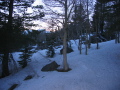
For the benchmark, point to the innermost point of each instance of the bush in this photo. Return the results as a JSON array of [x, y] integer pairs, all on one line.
[[50, 52]]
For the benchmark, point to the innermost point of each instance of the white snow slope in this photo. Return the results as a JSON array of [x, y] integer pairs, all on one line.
[[99, 70]]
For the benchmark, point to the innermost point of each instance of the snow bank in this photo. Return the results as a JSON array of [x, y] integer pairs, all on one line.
[[99, 70]]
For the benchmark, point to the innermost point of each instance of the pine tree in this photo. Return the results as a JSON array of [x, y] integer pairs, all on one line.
[[107, 17], [11, 27], [113, 19], [81, 24], [25, 57]]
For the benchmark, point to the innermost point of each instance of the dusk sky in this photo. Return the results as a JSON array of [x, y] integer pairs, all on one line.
[[42, 25]]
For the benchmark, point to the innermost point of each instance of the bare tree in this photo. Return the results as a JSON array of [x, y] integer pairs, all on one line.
[[81, 18], [64, 17], [88, 6]]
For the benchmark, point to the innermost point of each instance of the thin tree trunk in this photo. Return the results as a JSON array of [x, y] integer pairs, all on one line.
[[97, 38], [97, 24], [118, 37], [80, 45], [81, 42], [80, 33], [86, 43], [89, 38], [89, 41]]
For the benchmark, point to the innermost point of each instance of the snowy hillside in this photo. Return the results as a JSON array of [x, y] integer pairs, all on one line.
[[99, 70]]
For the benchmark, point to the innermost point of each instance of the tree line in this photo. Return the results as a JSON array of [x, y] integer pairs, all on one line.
[[75, 19]]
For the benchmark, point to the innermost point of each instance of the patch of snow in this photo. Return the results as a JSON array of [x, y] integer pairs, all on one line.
[[30, 30], [41, 30]]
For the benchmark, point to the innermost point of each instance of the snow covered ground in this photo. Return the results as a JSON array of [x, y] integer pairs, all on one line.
[[99, 70]]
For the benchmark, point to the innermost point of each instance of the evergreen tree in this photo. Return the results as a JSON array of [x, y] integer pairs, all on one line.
[[79, 21], [99, 16], [6, 33], [80, 26], [113, 19], [25, 57], [10, 29], [106, 18]]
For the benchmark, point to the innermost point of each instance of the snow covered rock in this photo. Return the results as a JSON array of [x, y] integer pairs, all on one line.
[[28, 77], [50, 67], [69, 50]]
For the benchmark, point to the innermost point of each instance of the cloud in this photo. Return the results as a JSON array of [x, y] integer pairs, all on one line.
[[38, 2]]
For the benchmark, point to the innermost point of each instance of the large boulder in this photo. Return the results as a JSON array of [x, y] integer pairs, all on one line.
[[50, 67], [69, 50]]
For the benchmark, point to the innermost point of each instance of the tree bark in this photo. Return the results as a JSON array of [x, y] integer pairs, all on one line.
[[97, 38], [5, 69], [65, 64], [86, 43], [8, 31]]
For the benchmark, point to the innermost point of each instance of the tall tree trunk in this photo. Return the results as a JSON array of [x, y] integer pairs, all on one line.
[[87, 42], [97, 19], [65, 64], [5, 69], [118, 36], [101, 21], [8, 31], [10, 14]]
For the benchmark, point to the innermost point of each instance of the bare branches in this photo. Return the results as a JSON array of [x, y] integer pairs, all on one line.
[[65, 7], [50, 11], [70, 11], [53, 3], [59, 6]]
